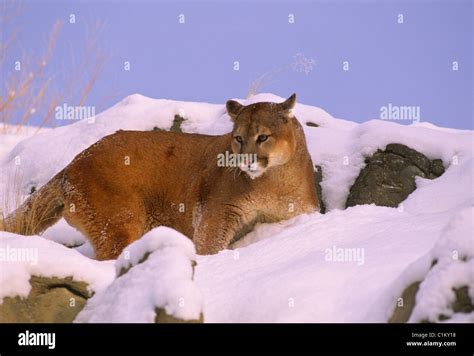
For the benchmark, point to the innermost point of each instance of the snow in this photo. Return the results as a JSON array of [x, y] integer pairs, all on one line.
[[163, 280], [159, 238], [341, 152], [64, 235], [24, 256], [13, 135], [292, 271], [454, 268]]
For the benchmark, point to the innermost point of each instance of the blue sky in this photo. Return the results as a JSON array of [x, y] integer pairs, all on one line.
[[407, 64]]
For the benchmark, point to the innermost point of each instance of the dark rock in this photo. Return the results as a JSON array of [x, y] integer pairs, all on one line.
[[177, 121], [389, 176], [311, 124], [318, 177], [462, 303], [51, 300], [124, 270], [437, 167], [403, 310], [175, 127], [162, 318]]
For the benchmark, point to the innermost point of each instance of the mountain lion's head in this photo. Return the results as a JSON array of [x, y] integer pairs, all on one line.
[[266, 130]]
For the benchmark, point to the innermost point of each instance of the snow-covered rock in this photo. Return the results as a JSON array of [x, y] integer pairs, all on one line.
[[442, 288], [24, 256], [42, 281], [154, 283], [389, 176]]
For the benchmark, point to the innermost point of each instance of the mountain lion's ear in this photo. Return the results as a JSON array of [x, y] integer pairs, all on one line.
[[233, 108], [289, 103]]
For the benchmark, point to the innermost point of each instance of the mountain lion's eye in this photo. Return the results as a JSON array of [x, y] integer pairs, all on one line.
[[262, 138], [238, 139]]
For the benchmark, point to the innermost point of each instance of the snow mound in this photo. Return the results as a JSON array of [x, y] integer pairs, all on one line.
[[447, 266], [155, 272], [453, 258], [336, 267], [22, 257]]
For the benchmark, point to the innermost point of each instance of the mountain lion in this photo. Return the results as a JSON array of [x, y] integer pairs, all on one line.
[[213, 189]]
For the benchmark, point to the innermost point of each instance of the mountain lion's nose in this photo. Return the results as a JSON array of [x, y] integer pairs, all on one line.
[[244, 166], [248, 166]]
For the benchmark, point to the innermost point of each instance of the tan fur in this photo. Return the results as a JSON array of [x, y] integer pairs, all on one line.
[[173, 179]]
